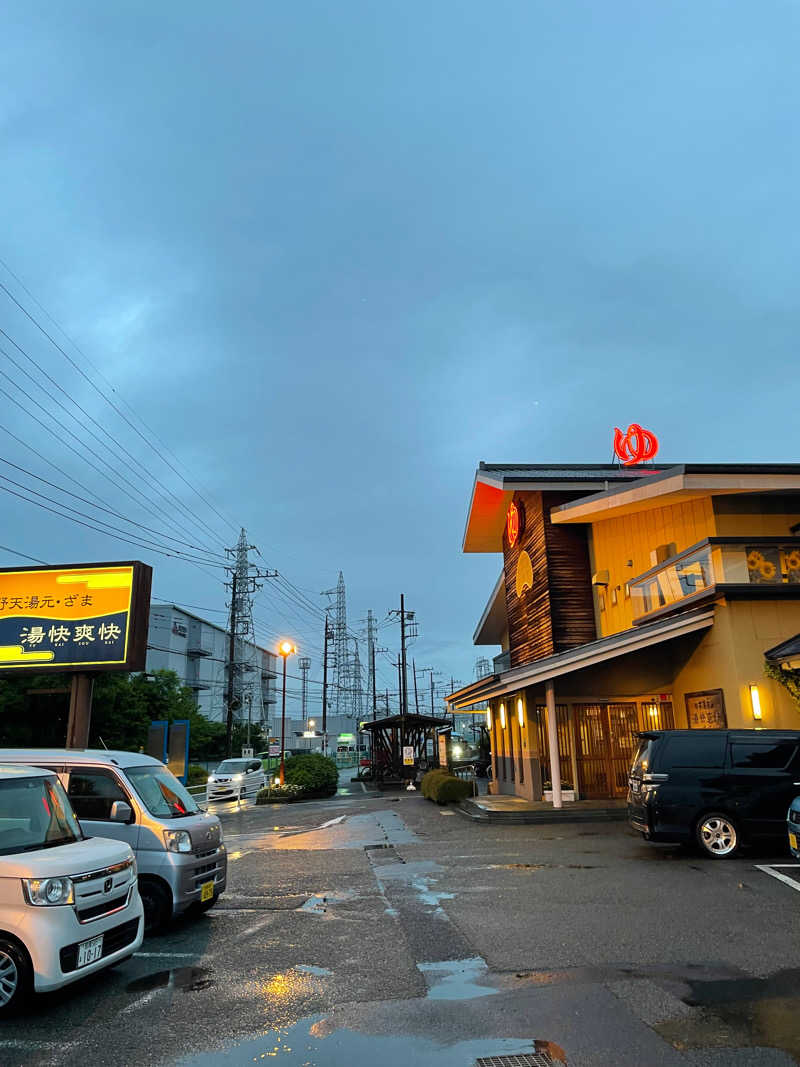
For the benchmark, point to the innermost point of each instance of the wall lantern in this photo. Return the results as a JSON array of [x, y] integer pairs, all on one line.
[[520, 712], [488, 718], [502, 716], [755, 700]]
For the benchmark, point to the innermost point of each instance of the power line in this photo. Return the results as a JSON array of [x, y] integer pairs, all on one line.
[[111, 403], [22, 555]]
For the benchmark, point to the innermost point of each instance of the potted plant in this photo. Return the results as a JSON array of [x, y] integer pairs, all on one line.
[[567, 791]]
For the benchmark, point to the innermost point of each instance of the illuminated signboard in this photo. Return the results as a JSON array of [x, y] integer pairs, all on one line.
[[635, 446], [76, 618], [512, 525]]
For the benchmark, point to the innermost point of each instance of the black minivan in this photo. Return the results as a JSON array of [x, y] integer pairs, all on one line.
[[720, 788]]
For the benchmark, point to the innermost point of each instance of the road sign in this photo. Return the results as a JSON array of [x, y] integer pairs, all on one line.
[[247, 753], [275, 749], [408, 755]]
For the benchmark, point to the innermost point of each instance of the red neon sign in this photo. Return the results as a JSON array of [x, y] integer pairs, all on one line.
[[512, 525], [635, 446]]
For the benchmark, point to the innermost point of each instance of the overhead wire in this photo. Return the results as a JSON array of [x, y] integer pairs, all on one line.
[[113, 405]]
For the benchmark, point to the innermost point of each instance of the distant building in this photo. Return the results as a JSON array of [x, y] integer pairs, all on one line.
[[307, 736], [197, 650]]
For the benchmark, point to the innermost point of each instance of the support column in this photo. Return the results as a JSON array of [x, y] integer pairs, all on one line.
[[574, 747], [552, 737], [80, 711]]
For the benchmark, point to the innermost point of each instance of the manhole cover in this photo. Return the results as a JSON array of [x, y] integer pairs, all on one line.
[[522, 1059]]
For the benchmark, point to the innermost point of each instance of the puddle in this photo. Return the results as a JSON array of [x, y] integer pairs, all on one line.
[[309, 1044], [187, 979], [318, 904], [761, 1012], [456, 979], [419, 876], [308, 968]]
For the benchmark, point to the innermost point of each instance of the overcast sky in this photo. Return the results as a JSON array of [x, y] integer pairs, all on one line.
[[336, 254]]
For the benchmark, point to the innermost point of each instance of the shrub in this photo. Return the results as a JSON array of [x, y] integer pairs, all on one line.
[[430, 780], [273, 794], [317, 774], [448, 789], [196, 775]]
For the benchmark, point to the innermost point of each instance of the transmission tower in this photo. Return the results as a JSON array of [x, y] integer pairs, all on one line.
[[244, 666], [304, 663], [482, 667], [343, 684]]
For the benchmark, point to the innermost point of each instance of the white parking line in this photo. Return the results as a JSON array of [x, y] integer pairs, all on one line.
[[166, 955], [772, 870]]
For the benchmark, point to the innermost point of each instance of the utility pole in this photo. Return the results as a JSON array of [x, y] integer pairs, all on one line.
[[231, 669], [326, 641], [400, 682], [406, 632], [433, 714], [416, 695]]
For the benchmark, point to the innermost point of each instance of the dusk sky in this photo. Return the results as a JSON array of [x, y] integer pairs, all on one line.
[[334, 255]]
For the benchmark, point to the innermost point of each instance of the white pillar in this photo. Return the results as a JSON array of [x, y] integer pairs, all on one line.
[[552, 737]]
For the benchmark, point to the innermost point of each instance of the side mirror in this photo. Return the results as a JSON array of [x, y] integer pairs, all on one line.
[[121, 812]]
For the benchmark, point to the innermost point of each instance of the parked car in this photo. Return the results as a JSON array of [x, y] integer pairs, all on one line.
[[793, 821], [135, 799], [69, 904], [721, 788], [236, 779]]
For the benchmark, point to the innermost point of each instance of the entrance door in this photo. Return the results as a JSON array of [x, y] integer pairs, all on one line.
[[605, 748]]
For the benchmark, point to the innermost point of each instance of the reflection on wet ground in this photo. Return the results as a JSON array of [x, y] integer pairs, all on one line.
[[456, 979], [187, 979], [308, 1044]]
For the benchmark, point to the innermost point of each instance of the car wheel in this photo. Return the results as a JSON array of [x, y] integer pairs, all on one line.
[[16, 976], [717, 835], [157, 904]]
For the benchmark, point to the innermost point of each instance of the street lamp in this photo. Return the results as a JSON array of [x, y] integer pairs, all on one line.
[[285, 649]]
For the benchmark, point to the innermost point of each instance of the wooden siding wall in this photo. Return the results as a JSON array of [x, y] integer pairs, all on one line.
[[558, 612], [633, 537]]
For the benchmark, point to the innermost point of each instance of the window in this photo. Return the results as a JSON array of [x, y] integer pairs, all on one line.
[[700, 750], [161, 792], [773, 755], [92, 793], [34, 814]]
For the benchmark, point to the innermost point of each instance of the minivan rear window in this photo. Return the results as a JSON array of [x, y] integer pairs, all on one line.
[[701, 748], [641, 761], [774, 755]]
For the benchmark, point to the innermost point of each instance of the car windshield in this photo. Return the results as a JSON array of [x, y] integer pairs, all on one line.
[[233, 766], [161, 792], [641, 761], [35, 813]]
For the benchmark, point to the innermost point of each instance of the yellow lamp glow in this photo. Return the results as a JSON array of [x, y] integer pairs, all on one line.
[[520, 712], [755, 700], [285, 648], [488, 718], [503, 716]]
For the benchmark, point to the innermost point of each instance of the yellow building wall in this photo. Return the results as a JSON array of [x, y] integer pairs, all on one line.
[[755, 515], [632, 538], [731, 658]]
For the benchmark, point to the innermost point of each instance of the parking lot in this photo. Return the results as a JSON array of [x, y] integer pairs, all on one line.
[[366, 928]]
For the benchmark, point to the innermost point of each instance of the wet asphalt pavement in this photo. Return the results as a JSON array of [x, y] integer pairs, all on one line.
[[383, 929]]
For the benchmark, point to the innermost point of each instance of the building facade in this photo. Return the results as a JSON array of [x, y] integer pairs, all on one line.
[[197, 651], [630, 598]]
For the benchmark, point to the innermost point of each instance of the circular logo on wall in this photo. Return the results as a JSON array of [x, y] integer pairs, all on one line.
[[524, 573]]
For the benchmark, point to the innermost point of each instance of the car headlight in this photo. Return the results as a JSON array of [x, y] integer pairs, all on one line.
[[48, 891], [238, 777], [177, 841], [211, 777]]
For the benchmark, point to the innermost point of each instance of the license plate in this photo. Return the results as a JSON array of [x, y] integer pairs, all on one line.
[[793, 840], [206, 891], [90, 951]]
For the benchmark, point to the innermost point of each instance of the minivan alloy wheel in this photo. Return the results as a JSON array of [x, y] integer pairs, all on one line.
[[717, 834], [9, 979]]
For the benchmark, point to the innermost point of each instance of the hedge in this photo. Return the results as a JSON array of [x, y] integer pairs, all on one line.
[[196, 775], [430, 779], [451, 789], [317, 774], [273, 794]]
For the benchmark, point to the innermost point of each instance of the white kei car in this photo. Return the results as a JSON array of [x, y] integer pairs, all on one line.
[[236, 779]]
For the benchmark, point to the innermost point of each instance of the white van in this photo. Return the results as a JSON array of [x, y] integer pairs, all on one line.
[[136, 799], [69, 904], [236, 779]]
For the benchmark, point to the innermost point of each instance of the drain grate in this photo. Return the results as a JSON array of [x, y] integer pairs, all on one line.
[[523, 1059]]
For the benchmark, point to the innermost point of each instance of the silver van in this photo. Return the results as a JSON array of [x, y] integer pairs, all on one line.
[[134, 798]]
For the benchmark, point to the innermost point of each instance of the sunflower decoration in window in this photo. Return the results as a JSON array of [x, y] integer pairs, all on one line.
[[764, 565], [792, 561]]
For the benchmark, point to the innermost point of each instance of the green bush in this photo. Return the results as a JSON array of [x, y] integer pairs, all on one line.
[[430, 780], [273, 794], [317, 774], [196, 775], [449, 789]]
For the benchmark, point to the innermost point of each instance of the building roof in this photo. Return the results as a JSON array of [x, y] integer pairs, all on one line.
[[587, 655], [411, 719], [493, 623], [609, 490]]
